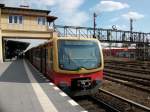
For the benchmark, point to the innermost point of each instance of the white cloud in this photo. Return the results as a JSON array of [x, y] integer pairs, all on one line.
[[69, 5], [11, 2], [46, 2], [133, 15], [76, 19], [122, 27], [119, 27], [68, 11], [108, 6], [114, 19]]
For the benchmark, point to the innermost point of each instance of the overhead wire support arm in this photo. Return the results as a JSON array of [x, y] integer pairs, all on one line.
[[88, 32]]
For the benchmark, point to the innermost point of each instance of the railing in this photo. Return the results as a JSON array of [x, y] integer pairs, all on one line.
[[104, 35]]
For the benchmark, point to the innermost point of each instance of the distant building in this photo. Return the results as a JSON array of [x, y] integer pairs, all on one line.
[[23, 22]]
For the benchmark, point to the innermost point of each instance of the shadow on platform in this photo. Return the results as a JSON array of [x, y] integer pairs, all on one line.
[[16, 73]]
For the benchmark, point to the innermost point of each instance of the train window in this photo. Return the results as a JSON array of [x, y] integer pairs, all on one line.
[[51, 54], [74, 55], [51, 58], [37, 53], [46, 54]]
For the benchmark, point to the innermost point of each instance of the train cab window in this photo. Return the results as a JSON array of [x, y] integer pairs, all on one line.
[[74, 55]]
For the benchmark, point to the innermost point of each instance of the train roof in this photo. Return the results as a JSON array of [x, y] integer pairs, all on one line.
[[62, 38]]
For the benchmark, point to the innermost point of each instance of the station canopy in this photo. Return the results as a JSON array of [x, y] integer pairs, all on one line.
[[14, 47]]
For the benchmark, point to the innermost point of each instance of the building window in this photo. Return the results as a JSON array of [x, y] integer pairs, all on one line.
[[41, 20], [15, 19], [10, 19], [20, 19]]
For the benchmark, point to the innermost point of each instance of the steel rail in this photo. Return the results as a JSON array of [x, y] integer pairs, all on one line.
[[125, 74], [109, 107], [132, 103], [137, 70], [127, 63], [130, 79], [129, 84]]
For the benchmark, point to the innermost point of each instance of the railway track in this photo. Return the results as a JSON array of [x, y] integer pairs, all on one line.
[[128, 83], [128, 68], [131, 106], [130, 79], [94, 104], [143, 67], [129, 61], [128, 76], [129, 64], [105, 101], [133, 80]]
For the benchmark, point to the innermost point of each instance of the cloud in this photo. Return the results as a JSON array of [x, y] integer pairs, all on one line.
[[69, 13], [46, 2], [76, 19], [109, 6], [69, 5], [122, 27], [114, 19], [133, 15], [67, 10], [119, 27], [11, 2]]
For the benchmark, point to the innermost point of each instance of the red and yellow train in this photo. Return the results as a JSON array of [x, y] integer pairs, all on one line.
[[74, 64]]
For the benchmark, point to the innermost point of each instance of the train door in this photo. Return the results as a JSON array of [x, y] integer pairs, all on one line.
[[41, 59], [34, 57], [44, 60], [38, 59], [51, 58], [50, 62], [47, 61], [31, 56]]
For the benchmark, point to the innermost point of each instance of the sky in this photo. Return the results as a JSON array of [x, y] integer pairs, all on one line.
[[80, 12]]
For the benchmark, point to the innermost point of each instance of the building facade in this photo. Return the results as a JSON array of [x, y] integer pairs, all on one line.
[[24, 23]]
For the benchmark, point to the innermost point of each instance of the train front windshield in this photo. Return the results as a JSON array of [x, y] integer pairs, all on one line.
[[77, 54]]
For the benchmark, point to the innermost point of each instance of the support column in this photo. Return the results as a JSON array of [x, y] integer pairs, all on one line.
[[1, 48]]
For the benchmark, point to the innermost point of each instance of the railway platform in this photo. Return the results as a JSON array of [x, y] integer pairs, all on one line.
[[24, 89]]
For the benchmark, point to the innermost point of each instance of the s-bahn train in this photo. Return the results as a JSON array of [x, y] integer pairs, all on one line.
[[73, 64]]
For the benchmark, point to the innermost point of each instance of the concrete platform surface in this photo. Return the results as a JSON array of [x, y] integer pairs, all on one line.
[[24, 89]]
